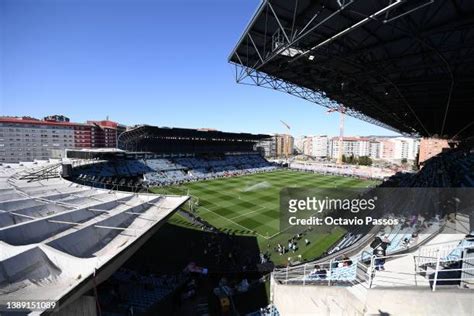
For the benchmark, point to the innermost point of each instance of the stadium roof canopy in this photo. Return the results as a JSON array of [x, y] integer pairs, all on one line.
[[403, 64], [183, 140], [188, 133], [59, 239]]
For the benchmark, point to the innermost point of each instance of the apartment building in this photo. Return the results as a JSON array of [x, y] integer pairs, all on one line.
[[284, 145], [430, 147], [351, 146], [278, 146], [316, 146], [376, 147], [399, 148], [27, 139]]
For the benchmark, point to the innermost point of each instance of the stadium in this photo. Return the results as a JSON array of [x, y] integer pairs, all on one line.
[[180, 221]]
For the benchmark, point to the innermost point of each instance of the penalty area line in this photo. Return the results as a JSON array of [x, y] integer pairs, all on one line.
[[227, 219], [259, 209]]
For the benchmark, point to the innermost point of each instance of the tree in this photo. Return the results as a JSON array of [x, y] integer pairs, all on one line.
[[365, 161]]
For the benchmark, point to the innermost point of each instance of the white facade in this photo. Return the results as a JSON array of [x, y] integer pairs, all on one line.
[[351, 147], [364, 148], [402, 148], [316, 146], [374, 149], [384, 148], [320, 146], [308, 146]]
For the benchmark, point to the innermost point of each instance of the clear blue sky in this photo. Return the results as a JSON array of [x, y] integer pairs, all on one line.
[[143, 61]]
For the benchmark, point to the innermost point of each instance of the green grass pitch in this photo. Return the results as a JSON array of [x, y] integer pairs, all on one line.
[[249, 205]]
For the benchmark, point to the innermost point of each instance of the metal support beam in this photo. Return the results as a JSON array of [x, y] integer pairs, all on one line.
[[278, 21], [63, 222], [314, 96], [98, 210], [388, 20], [21, 215], [350, 28], [119, 228], [255, 46]]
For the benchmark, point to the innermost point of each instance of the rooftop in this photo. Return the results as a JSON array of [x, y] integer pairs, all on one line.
[[57, 237]]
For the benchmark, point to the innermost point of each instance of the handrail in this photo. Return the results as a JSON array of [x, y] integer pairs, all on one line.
[[447, 242], [367, 274], [444, 250]]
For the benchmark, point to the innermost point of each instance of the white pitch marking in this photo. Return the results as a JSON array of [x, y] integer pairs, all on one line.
[[259, 209], [228, 219]]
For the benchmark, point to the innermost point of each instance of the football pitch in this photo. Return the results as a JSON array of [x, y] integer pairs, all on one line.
[[249, 205]]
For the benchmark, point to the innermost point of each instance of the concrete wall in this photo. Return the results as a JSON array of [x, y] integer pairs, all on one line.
[[421, 301], [315, 300], [293, 300]]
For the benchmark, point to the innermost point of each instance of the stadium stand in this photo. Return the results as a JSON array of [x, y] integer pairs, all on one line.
[[270, 310], [454, 168], [448, 169], [167, 171], [348, 240], [400, 238], [203, 168], [338, 271], [138, 292]]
